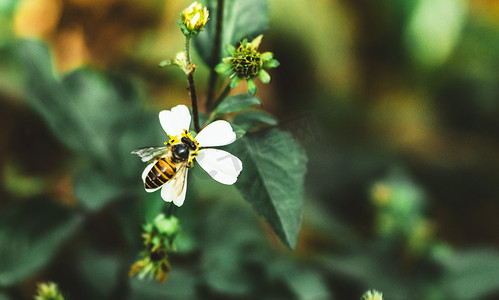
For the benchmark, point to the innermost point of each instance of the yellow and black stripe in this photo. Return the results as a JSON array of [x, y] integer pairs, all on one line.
[[160, 173]]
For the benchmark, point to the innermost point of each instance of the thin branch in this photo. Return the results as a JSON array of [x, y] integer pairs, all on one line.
[[222, 95], [216, 103], [192, 91], [188, 48], [216, 55], [192, 88], [170, 210]]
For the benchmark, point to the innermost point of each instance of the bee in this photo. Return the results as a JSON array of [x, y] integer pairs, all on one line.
[[168, 163]]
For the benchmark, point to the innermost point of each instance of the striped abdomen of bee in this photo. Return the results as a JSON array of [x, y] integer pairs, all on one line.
[[160, 173]]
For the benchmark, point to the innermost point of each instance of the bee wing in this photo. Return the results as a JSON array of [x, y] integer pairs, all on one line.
[[175, 189], [148, 154]]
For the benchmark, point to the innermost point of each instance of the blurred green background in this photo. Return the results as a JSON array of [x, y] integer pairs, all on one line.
[[395, 102]]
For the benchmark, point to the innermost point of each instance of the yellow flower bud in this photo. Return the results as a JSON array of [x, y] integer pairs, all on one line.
[[194, 18]]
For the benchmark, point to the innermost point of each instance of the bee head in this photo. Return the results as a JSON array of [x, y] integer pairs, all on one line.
[[180, 151], [189, 143]]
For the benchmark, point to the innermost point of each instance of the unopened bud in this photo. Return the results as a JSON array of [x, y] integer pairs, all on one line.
[[193, 19]]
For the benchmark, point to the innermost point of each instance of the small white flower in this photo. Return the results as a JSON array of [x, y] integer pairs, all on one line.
[[171, 164], [372, 295]]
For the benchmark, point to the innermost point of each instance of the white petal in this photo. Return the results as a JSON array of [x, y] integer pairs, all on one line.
[[195, 19], [174, 121], [144, 175], [221, 165], [175, 189], [218, 133]]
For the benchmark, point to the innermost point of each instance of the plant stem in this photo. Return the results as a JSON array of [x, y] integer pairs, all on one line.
[[216, 55], [192, 88], [222, 95], [211, 89], [170, 210], [187, 48]]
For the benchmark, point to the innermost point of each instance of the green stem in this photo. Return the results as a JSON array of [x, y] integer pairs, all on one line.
[[187, 48], [170, 210], [211, 117], [216, 103], [192, 88], [216, 54], [212, 81], [222, 96]]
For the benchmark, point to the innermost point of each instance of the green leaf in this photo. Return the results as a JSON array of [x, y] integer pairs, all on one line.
[[473, 274], [30, 236], [236, 103], [251, 119], [96, 116], [223, 67], [164, 63], [371, 269], [99, 271], [181, 284], [228, 250], [4, 296], [238, 131], [305, 283], [86, 110], [95, 189], [241, 18], [7, 15], [272, 180]]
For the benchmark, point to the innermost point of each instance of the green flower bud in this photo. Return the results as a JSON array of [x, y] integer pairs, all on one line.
[[48, 291], [158, 237], [193, 19], [246, 63], [169, 226]]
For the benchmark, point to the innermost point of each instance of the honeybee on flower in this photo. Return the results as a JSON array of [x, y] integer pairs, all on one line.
[[168, 166]]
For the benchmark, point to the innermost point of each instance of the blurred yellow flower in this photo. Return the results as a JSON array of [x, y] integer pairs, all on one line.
[[194, 18]]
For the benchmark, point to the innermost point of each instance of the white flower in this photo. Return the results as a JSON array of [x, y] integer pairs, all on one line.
[[220, 165], [372, 295]]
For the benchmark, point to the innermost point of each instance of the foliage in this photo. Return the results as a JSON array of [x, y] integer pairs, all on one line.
[[366, 170], [241, 18], [34, 234], [277, 198]]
